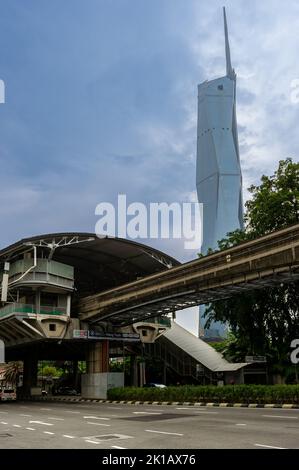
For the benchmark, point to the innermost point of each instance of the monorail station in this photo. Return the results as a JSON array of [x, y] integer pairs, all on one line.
[[77, 297]]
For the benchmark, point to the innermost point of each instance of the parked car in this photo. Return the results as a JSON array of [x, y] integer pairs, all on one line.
[[8, 394], [151, 384], [65, 391]]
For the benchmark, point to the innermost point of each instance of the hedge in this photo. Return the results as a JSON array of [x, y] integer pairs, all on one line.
[[260, 394]]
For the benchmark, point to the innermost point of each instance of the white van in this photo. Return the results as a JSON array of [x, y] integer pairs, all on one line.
[[7, 394]]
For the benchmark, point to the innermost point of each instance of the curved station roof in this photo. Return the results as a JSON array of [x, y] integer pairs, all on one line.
[[100, 263]]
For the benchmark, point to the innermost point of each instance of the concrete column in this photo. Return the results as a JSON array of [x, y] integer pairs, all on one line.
[[98, 357], [37, 301], [68, 305], [29, 375], [98, 379], [133, 371]]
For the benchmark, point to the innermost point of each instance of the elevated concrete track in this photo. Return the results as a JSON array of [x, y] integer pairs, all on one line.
[[267, 261]]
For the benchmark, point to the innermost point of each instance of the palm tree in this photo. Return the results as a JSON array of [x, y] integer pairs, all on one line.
[[12, 372]]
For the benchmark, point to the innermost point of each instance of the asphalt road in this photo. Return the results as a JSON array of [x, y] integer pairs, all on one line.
[[25, 425]]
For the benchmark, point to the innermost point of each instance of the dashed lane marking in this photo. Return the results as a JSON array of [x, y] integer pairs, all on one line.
[[92, 442], [49, 432], [73, 412], [164, 432], [16, 426], [145, 413], [278, 416], [26, 416], [41, 422], [241, 424], [69, 437], [269, 447], [55, 419], [30, 429], [96, 417], [117, 447], [98, 424]]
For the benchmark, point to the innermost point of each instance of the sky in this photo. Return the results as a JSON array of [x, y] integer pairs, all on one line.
[[101, 99]]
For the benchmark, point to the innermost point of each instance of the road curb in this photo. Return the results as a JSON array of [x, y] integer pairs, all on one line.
[[163, 403]]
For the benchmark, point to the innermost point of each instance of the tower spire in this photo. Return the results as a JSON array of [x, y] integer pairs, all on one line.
[[229, 70]]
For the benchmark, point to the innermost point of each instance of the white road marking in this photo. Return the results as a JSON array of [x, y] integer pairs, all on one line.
[[207, 412], [45, 409], [269, 447], [30, 429], [48, 432], [16, 426], [96, 417], [164, 432], [145, 413], [283, 417], [3, 422], [98, 424], [241, 424], [118, 447], [41, 422], [74, 412], [185, 408], [4, 412], [27, 416], [114, 408], [69, 437], [92, 442], [56, 419]]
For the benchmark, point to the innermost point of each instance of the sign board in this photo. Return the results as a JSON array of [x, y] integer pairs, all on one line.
[[91, 334]]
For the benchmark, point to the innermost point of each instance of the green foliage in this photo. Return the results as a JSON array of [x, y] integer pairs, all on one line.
[[50, 371], [264, 322], [275, 203], [12, 372], [246, 394]]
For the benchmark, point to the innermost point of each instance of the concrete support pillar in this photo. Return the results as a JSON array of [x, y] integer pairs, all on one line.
[[98, 357], [68, 305], [98, 380], [29, 375], [37, 301], [133, 371]]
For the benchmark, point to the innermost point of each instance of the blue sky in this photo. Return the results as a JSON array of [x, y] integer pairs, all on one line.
[[101, 100]]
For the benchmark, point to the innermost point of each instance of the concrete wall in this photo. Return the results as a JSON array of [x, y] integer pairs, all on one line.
[[96, 385]]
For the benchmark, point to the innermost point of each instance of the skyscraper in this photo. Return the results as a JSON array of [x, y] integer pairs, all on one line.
[[218, 170]]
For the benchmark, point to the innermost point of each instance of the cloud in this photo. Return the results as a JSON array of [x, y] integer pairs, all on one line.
[[101, 100]]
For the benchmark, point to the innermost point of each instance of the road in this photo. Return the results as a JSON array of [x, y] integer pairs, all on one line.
[[26, 425]]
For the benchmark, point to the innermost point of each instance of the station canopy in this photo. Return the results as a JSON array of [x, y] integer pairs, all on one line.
[[99, 263]]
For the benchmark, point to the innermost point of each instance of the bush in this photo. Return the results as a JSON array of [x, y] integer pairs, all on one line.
[[261, 394]]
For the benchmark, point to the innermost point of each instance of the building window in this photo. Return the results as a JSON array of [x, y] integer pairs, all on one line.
[[52, 326], [220, 87], [144, 332]]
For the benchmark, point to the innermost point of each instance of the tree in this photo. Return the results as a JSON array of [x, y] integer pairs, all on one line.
[[264, 322], [12, 372]]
